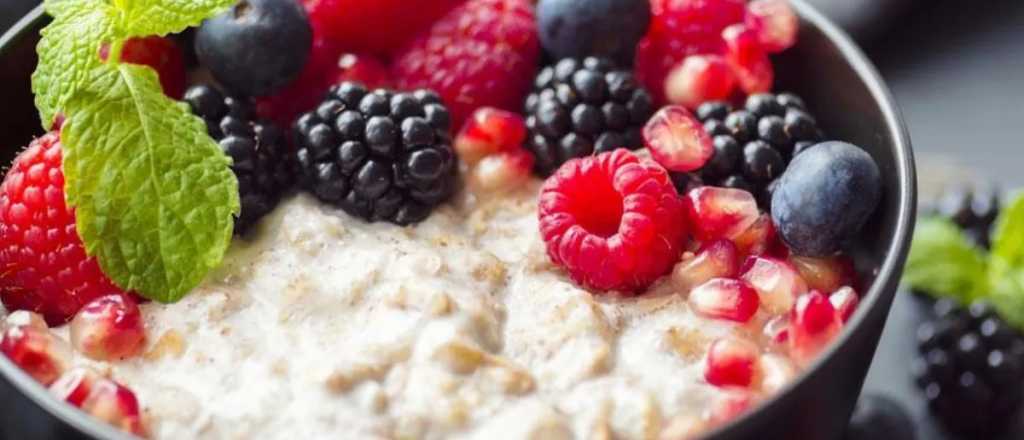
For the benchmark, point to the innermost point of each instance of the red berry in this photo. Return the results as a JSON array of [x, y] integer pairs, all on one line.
[[160, 53], [717, 259], [777, 329], [482, 53], [489, 131], [845, 301], [729, 406], [677, 140], [731, 362], [612, 221], [776, 372], [680, 28], [101, 398], [813, 325], [108, 328], [750, 62], [760, 238], [25, 318], [777, 282], [46, 269], [379, 27], [723, 298], [775, 23], [698, 79], [37, 352], [505, 170], [825, 274], [720, 212]]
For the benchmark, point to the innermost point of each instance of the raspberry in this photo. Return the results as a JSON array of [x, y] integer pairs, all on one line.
[[379, 27], [160, 53], [46, 269], [483, 53], [612, 221]]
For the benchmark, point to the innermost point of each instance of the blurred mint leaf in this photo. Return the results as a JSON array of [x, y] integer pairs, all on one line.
[[1007, 268], [944, 263], [139, 18], [154, 195]]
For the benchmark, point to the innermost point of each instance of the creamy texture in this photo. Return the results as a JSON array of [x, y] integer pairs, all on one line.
[[323, 326]]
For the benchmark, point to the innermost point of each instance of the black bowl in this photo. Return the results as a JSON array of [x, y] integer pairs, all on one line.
[[826, 68]]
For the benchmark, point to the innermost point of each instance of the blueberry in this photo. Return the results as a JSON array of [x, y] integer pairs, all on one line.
[[877, 417], [825, 196], [579, 28], [257, 46]]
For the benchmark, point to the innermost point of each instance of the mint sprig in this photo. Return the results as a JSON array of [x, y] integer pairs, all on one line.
[[154, 195], [944, 263]]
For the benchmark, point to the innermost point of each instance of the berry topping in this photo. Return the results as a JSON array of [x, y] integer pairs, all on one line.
[[488, 132], [482, 53], [731, 362], [677, 140], [257, 46], [720, 212], [974, 210], [160, 53], [825, 197], [262, 160], [108, 328], [102, 398], [717, 259], [970, 368], [612, 221], [814, 324], [378, 27], [750, 63], [25, 318], [776, 372], [606, 28], [760, 239], [581, 107], [730, 405], [380, 155], [777, 283], [699, 79], [753, 145], [46, 269], [723, 298], [774, 22], [503, 171], [36, 351], [825, 274], [845, 301]]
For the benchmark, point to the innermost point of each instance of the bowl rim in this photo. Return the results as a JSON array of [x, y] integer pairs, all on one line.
[[890, 268]]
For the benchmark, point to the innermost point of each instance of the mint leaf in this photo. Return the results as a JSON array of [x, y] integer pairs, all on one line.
[[1007, 296], [68, 51], [161, 17], [1007, 270], [943, 262], [154, 195]]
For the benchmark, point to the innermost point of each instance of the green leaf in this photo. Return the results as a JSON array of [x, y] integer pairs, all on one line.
[[161, 17], [1007, 270], [154, 194], [1007, 296], [68, 52], [943, 262]]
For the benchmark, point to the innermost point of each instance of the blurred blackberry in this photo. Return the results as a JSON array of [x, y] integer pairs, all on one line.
[[581, 107], [974, 210], [753, 145], [970, 368], [262, 159], [380, 155]]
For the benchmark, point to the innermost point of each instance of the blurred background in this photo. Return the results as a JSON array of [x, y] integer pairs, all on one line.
[[957, 69]]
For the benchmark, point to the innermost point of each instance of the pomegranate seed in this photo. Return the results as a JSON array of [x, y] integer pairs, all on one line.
[[775, 23], [717, 259], [825, 274], [676, 139], [777, 283], [759, 239], [698, 79], [487, 132], [845, 301], [115, 405], [776, 373], [720, 212], [750, 63], [364, 69], [75, 385], [777, 329], [730, 405], [505, 170], [723, 298], [37, 352], [814, 324], [109, 327], [25, 318], [731, 362]]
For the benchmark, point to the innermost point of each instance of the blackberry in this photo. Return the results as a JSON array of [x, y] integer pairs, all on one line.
[[262, 159], [579, 107], [974, 210], [970, 368], [754, 145], [378, 155]]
